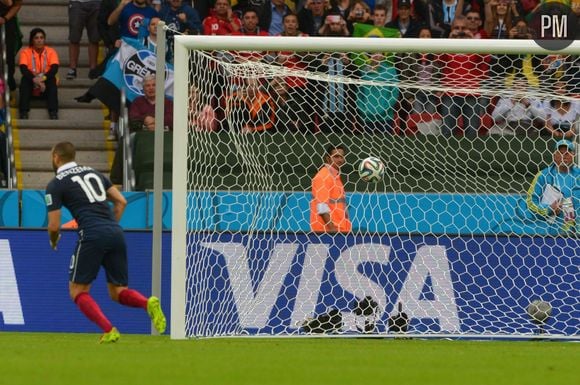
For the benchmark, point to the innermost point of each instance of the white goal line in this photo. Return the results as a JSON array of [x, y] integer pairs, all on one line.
[[418, 336]]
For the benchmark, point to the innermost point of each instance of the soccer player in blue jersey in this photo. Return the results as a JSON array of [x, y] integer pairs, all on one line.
[[85, 192]]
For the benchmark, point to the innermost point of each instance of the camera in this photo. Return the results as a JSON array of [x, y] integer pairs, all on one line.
[[521, 33], [461, 34], [333, 18]]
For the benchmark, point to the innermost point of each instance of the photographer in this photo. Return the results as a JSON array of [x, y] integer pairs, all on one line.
[[334, 25], [520, 30], [459, 29], [359, 12], [518, 114]]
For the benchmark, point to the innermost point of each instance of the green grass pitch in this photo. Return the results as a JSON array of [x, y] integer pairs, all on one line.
[[43, 358]]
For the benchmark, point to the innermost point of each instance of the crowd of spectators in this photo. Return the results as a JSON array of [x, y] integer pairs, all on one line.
[[289, 103], [296, 103], [389, 93], [311, 105]]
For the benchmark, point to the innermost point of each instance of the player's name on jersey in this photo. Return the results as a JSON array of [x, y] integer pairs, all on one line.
[[74, 170]]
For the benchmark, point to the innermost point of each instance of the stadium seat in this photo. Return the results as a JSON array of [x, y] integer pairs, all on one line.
[[143, 160]]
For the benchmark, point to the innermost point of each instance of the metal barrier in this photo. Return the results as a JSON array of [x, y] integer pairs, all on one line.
[[125, 141], [11, 178]]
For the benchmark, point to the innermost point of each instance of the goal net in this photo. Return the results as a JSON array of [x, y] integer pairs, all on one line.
[[457, 238]]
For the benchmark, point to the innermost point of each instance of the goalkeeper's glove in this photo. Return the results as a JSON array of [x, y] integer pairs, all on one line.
[[53, 244]]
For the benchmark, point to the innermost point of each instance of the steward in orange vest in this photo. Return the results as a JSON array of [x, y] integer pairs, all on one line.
[[39, 66], [328, 212]]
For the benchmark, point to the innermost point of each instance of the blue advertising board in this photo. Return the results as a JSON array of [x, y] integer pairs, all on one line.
[[34, 284], [423, 213], [34, 213], [270, 282], [9, 208]]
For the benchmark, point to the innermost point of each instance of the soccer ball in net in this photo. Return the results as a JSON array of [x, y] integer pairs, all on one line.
[[371, 169], [539, 310]]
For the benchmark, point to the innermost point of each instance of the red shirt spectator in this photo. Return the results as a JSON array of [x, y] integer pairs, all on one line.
[[462, 73], [464, 70], [222, 21], [475, 25], [250, 24], [250, 27]]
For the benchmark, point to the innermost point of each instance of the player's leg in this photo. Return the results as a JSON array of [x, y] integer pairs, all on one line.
[[156, 314], [83, 270], [132, 298], [116, 266], [126, 296], [91, 309]]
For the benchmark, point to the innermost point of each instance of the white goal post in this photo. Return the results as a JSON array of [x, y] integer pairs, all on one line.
[[431, 240]]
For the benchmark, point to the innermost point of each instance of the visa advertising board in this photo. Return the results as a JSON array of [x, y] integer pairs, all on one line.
[[270, 282]]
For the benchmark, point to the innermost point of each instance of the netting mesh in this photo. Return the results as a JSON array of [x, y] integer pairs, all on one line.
[[446, 242]]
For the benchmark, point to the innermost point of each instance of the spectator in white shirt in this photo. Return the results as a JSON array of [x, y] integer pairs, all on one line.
[[518, 114], [562, 113]]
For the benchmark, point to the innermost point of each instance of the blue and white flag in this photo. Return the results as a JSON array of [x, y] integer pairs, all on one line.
[[126, 70]]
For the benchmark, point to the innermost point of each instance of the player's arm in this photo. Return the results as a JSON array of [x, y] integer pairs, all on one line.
[[119, 202], [54, 227]]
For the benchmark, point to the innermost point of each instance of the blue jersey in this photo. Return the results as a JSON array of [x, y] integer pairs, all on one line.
[[567, 184], [132, 18], [170, 17], [83, 191]]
